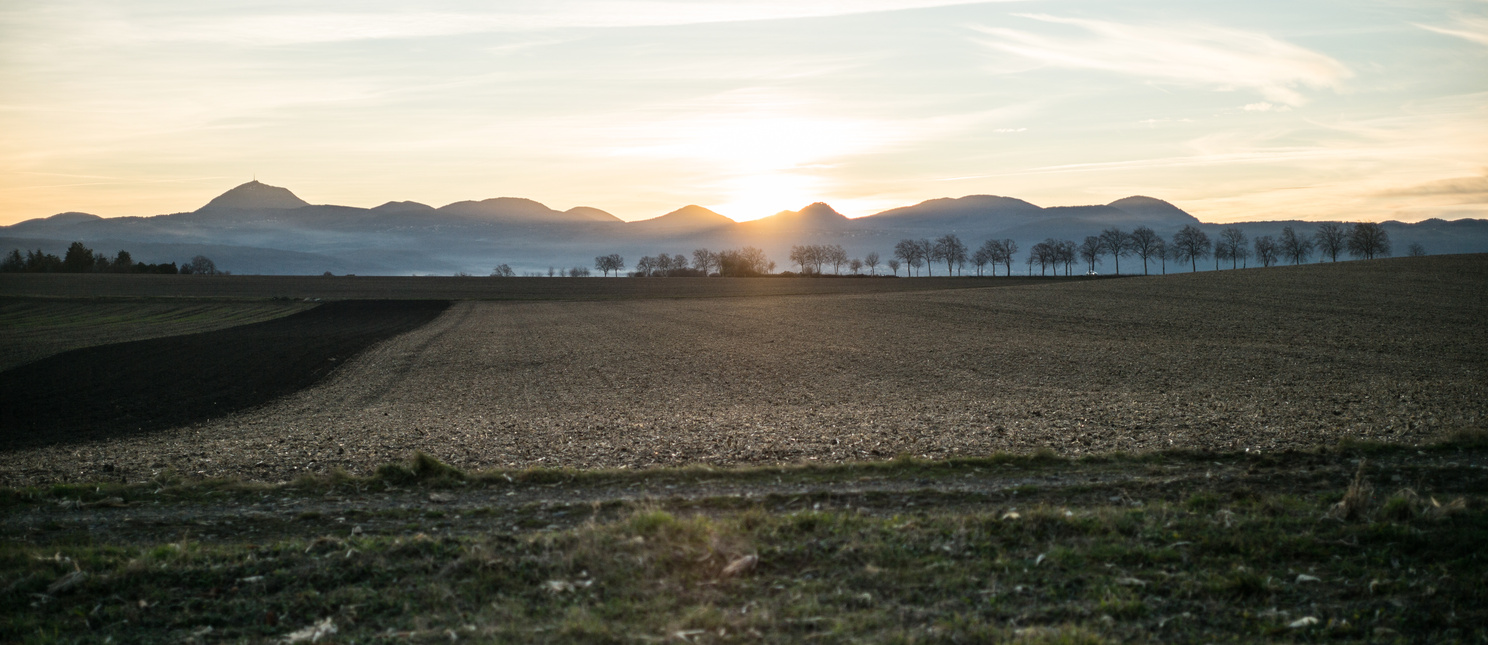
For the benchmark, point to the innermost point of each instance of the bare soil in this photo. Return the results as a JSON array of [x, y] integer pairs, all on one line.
[[1262, 360], [123, 389], [105, 286], [34, 328]]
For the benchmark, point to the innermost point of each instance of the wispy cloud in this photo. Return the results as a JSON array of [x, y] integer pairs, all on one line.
[[1470, 190], [1465, 27], [1217, 57], [392, 20]]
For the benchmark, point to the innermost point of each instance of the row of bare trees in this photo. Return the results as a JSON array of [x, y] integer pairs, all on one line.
[[1366, 240], [744, 262]]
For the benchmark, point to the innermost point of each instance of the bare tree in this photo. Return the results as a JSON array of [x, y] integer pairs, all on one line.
[[1164, 252], [893, 265], [608, 263], [748, 261], [704, 260], [926, 255], [1369, 240], [856, 265], [804, 256], [871, 261], [645, 266], [1092, 250], [1190, 244], [980, 259], [503, 271], [1145, 242], [1043, 253], [1222, 251], [1266, 249], [836, 255], [1067, 253], [1234, 241], [1294, 247], [1009, 249], [1415, 250], [1332, 238], [908, 251], [949, 249], [1116, 242]]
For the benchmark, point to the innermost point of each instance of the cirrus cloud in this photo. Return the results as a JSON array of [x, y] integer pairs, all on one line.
[[1218, 57]]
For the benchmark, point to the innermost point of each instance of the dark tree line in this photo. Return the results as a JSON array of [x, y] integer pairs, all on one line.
[[81, 259], [733, 263], [1365, 240]]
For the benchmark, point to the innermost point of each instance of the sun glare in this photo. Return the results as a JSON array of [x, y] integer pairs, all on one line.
[[766, 153], [754, 196]]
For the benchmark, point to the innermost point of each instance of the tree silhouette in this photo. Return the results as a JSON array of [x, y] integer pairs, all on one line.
[[1007, 249], [836, 256], [1369, 240], [1233, 241], [1294, 247], [1266, 249], [908, 251], [871, 261], [980, 259], [14, 262], [1116, 242], [1145, 243], [1092, 250], [202, 265], [949, 249], [1332, 238], [1190, 244], [79, 259], [704, 260]]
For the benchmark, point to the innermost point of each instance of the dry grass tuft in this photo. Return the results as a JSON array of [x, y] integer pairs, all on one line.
[[1356, 500]]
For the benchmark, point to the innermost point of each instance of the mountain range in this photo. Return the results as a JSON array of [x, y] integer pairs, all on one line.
[[261, 229]]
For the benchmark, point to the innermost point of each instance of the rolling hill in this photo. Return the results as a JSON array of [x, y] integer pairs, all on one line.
[[258, 228]]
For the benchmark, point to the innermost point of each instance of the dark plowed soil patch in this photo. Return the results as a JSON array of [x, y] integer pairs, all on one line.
[[127, 388]]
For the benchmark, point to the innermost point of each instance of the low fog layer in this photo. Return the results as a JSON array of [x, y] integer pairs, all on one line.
[[261, 229]]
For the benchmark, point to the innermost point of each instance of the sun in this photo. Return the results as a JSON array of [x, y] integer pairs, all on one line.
[[761, 195]]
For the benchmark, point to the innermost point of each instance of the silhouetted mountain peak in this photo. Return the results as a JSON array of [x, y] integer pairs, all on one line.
[[519, 209], [957, 212], [1153, 208], [817, 214], [255, 195], [403, 207], [72, 217], [690, 216], [820, 211], [590, 214]]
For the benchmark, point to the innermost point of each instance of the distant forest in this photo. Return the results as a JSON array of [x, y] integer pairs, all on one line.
[[81, 259]]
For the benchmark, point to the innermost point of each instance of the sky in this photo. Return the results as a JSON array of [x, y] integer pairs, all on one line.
[[1307, 109]]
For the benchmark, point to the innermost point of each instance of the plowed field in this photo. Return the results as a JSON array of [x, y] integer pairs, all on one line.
[[122, 389], [1237, 360]]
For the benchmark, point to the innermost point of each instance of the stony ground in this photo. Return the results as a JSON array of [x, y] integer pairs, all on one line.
[[1239, 360]]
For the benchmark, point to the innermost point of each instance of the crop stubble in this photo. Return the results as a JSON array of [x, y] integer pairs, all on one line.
[[1274, 359]]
